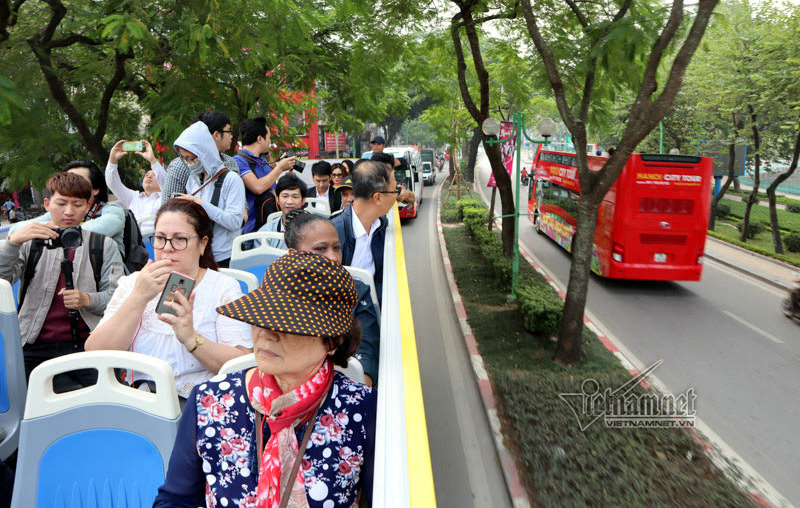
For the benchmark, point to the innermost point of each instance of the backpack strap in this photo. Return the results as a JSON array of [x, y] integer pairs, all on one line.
[[34, 255], [248, 158], [218, 187], [96, 246]]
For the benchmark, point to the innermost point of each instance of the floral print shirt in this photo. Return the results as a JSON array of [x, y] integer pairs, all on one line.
[[215, 460]]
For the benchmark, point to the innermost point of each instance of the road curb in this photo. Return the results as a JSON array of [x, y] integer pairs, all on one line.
[[510, 473], [748, 273]]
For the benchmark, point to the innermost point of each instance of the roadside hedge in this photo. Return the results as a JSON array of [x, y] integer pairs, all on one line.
[[475, 219], [541, 308], [538, 302]]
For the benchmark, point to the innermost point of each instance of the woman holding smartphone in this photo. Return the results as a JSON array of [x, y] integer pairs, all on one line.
[[195, 340]]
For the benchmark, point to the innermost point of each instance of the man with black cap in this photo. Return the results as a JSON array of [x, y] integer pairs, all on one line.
[[377, 144], [344, 195]]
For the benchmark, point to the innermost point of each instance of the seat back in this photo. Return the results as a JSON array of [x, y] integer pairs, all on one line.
[[237, 364], [354, 370], [12, 373], [101, 446], [247, 281], [257, 259], [146, 235], [320, 206], [149, 218], [364, 276]]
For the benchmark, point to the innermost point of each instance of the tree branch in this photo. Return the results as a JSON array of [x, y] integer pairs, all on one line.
[[550, 67], [108, 92], [461, 69], [8, 17], [72, 39], [578, 14]]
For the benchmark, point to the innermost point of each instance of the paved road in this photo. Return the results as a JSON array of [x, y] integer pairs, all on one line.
[[725, 336], [466, 469]]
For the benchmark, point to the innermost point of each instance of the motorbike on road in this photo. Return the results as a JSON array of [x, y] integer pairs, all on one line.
[[791, 305]]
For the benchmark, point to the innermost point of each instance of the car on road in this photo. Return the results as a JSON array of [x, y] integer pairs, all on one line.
[[428, 175]]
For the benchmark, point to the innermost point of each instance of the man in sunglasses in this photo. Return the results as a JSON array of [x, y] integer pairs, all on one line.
[[362, 226]]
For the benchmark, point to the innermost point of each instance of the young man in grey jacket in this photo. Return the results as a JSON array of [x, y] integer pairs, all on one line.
[[53, 319]]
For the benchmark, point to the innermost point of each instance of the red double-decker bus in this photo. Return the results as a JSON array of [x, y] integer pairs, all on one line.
[[651, 224]]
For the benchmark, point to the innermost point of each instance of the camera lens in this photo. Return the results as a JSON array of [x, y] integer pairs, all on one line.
[[71, 238], [299, 165]]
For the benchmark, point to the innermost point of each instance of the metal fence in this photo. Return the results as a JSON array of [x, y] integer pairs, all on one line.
[[790, 186]]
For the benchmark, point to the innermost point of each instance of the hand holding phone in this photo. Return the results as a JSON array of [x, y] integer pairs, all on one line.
[[177, 282], [132, 146]]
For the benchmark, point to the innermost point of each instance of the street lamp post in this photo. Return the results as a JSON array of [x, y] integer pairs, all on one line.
[[491, 127]]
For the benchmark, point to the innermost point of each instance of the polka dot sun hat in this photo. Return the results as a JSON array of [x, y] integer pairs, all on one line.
[[302, 293]]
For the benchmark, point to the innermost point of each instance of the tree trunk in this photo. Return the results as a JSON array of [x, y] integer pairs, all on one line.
[[737, 187], [568, 350], [507, 205], [712, 220], [472, 155], [777, 241], [751, 200]]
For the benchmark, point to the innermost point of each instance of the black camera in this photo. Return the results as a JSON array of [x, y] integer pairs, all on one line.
[[70, 238], [299, 166]]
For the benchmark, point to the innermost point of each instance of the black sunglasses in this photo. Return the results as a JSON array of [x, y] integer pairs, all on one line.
[[397, 191]]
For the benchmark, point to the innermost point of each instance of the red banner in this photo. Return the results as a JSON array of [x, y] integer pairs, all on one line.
[[335, 141], [506, 150]]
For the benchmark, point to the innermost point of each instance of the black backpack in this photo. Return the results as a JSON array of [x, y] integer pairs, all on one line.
[[135, 255], [265, 203], [95, 257]]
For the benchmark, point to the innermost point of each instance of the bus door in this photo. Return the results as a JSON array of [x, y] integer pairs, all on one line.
[[661, 217]]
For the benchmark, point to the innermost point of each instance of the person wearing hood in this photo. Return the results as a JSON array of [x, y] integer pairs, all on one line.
[[223, 202]]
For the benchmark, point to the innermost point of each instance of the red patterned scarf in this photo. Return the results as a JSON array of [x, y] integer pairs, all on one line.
[[284, 412]]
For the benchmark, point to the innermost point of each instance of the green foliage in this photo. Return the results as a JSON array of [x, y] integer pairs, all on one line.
[[468, 203], [760, 213], [541, 308], [792, 242], [793, 208], [760, 250], [723, 211], [488, 242], [753, 229]]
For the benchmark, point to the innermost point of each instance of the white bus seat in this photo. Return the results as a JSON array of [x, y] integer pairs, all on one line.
[[257, 259], [364, 276], [319, 206], [354, 370], [247, 281], [12, 373], [273, 215], [99, 443], [237, 364]]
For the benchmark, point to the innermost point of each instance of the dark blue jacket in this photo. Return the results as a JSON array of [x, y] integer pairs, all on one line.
[[370, 349], [344, 226]]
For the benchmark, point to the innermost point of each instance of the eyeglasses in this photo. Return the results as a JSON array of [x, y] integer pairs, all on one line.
[[396, 191], [336, 175], [178, 242], [227, 132]]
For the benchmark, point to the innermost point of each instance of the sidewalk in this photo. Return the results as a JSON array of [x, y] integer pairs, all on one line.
[[771, 271]]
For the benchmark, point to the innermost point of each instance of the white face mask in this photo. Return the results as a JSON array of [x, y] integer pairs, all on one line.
[[195, 168]]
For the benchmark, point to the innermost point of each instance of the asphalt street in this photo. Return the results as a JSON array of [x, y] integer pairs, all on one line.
[[466, 469], [725, 336]]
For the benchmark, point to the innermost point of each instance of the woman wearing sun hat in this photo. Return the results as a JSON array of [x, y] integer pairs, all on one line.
[[244, 439]]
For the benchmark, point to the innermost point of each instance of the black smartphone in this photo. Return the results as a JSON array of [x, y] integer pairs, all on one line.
[[176, 283]]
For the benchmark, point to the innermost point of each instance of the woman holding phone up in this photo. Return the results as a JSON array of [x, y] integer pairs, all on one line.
[[195, 340]]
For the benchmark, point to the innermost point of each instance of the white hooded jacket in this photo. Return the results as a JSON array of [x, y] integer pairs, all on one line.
[[229, 215]]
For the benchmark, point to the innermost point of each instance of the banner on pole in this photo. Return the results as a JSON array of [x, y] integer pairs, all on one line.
[[506, 150]]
